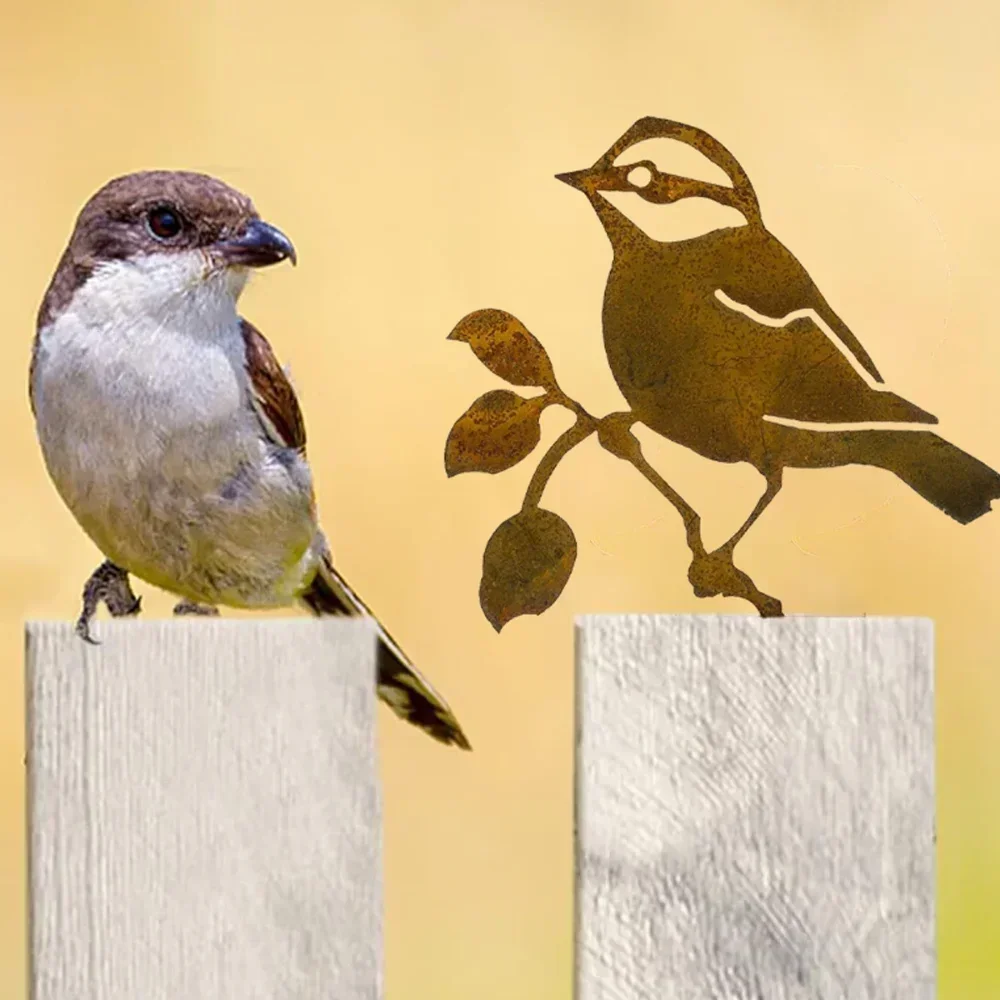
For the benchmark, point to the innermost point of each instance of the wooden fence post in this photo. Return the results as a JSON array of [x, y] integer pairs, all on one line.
[[204, 811], [755, 808]]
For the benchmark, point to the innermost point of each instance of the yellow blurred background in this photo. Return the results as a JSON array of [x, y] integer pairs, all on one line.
[[409, 150]]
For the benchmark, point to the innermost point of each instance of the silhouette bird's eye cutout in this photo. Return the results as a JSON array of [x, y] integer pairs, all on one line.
[[676, 157], [640, 176], [164, 222]]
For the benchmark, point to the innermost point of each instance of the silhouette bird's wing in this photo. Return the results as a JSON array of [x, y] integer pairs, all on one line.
[[801, 374], [762, 274]]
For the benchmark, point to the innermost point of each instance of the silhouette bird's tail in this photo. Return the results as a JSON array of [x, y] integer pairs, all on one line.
[[949, 478], [399, 685]]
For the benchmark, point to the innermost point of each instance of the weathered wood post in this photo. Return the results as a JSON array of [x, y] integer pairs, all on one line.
[[755, 808], [204, 811]]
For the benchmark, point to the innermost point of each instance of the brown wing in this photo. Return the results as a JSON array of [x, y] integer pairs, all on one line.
[[272, 394]]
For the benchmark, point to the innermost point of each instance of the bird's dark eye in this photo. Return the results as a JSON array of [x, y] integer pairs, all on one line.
[[164, 222]]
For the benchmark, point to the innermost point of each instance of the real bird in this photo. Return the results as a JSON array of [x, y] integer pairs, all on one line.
[[702, 341], [171, 431]]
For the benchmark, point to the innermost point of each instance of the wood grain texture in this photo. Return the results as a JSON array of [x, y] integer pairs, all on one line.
[[204, 811], [755, 808]]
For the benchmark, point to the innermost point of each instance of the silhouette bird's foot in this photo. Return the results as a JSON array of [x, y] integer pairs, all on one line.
[[108, 583], [191, 608], [713, 574]]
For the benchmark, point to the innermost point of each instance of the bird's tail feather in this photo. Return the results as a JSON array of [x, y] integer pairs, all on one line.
[[400, 686], [952, 480]]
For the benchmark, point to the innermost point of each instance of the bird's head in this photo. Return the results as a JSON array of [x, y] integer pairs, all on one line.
[[158, 236], [641, 176]]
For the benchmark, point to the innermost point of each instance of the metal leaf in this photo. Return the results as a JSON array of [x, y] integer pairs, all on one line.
[[527, 563], [503, 343], [499, 430]]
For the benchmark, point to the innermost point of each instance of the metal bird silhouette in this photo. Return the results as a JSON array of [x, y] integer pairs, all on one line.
[[708, 343]]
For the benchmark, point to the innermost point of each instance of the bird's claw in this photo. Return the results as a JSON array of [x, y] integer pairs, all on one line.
[[108, 583], [714, 574], [192, 608], [83, 630]]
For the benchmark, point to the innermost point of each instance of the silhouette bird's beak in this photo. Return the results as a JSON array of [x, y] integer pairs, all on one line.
[[575, 179], [599, 177]]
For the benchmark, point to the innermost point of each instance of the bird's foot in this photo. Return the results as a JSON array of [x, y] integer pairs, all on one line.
[[186, 607], [108, 583], [713, 574]]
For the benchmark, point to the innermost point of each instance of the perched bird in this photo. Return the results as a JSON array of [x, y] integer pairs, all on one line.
[[716, 341], [169, 428]]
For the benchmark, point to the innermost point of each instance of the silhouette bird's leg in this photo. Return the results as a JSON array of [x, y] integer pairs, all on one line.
[[108, 583], [711, 573], [773, 487], [615, 434]]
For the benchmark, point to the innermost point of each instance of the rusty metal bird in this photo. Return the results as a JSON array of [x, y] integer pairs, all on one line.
[[719, 342]]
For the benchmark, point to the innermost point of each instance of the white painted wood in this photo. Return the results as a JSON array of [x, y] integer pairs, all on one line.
[[204, 811], [755, 808]]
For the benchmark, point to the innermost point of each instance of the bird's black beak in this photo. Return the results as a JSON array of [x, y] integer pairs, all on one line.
[[259, 245]]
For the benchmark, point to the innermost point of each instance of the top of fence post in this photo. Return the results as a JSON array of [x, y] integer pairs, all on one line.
[[204, 811], [755, 808]]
